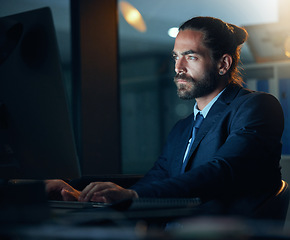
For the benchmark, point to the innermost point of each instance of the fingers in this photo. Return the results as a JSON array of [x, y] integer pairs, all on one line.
[[69, 195], [106, 192], [60, 190], [96, 190], [53, 189], [99, 199]]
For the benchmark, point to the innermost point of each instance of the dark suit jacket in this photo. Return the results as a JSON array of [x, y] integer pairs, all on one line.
[[234, 158]]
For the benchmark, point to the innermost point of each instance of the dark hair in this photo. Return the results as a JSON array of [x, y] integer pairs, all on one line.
[[220, 38]]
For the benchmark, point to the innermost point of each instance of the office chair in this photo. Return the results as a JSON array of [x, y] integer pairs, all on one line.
[[276, 207]]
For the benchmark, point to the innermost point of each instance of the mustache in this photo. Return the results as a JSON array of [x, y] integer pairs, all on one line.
[[183, 77]]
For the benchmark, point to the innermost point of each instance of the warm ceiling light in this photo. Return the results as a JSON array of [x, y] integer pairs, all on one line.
[[287, 47], [132, 16]]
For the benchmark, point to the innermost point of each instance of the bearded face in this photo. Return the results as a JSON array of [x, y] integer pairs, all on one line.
[[196, 72], [191, 88]]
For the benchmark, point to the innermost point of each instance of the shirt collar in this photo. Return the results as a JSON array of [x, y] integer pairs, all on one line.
[[206, 109]]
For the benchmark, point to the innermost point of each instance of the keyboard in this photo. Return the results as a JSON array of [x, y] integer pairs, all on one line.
[[76, 205], [132, 204], [156, 203]]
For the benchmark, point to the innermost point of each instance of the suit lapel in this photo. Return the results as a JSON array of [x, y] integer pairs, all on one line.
[[215, 113], [182, 145]]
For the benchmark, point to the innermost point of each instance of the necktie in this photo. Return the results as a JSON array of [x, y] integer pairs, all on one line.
[[196, 125]]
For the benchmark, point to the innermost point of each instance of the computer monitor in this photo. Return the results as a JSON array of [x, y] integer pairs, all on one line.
[[36, 137]]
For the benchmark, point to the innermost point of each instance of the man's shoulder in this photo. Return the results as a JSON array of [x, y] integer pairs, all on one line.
[[250, 94], [239, 93]]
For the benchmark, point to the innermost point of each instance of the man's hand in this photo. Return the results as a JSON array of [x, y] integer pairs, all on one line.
[[60, 190], [107, 192]]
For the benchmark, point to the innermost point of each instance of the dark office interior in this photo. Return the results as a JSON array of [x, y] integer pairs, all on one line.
[[122, 103]]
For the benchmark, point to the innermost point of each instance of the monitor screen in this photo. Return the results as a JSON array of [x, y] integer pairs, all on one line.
[[36, 137]]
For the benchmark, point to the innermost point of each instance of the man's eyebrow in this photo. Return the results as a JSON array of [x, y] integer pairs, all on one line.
[[186, 52]]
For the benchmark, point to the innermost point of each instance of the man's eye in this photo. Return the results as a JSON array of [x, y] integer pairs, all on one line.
[[190, 57], [175, 57]]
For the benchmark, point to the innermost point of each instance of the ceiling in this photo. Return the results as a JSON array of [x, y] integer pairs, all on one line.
[[267, 22], [260, 17]]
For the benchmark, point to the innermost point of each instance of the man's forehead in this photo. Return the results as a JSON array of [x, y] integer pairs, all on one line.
[[189, 41]]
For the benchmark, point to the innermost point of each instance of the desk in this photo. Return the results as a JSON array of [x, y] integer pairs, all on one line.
[[33, 219], [109, 224]]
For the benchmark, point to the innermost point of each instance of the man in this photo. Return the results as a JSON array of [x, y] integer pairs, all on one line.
[[233, 158]]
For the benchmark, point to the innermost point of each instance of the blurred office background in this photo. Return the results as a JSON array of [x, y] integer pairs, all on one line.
[[147, 105]]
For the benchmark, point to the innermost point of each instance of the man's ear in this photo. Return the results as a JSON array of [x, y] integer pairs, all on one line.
[[224, 64]]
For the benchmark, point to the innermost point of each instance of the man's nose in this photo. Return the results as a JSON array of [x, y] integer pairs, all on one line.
[[180, 65]]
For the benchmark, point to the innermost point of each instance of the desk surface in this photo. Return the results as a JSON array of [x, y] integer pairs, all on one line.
[[36, 220], [109, 225]]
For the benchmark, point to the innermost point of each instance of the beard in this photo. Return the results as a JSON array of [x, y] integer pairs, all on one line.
[[196, 88]]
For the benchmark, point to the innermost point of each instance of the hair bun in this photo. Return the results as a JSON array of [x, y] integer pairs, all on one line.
[[240, 34]]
